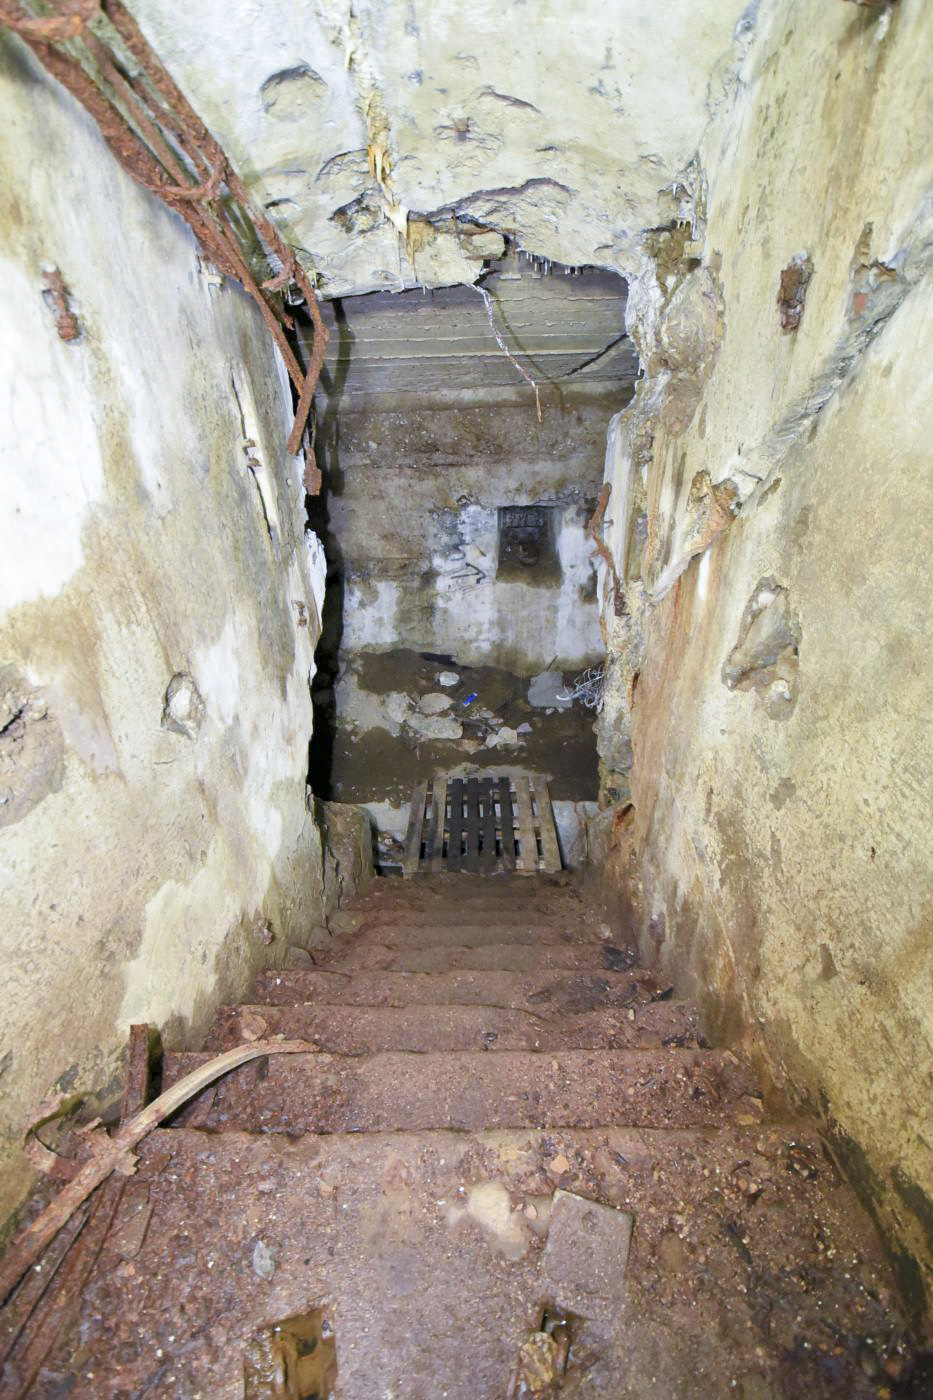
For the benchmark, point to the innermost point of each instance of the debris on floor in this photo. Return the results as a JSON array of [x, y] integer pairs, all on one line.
[[456, 1150], [542, 1362], [292, 1360]]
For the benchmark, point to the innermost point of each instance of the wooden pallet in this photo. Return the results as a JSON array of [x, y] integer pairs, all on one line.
[[480, 824]]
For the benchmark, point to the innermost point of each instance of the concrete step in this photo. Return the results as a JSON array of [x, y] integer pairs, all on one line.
[[364, 1030], [462, 887], [453, 1231], [522, 916], [475, 935], [470, 1090], [545, 993], [490, 957]]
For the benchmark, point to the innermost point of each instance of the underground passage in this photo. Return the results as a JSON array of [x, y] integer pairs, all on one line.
[[465, 692]]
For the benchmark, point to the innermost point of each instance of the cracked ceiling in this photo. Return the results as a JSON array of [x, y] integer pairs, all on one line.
[[395, 144]]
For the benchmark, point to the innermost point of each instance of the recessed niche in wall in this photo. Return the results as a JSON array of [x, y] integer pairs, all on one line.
[[527, 548]]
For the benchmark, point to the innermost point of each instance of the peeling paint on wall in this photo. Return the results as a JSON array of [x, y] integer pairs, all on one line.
[[154, 673]]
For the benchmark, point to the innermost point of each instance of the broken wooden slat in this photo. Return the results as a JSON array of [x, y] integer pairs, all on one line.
[[415, 828], [527, 842], [550, 850], [432, 826], [435, 855]]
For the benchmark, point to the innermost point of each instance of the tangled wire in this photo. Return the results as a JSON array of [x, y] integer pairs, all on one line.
[[589, 688]]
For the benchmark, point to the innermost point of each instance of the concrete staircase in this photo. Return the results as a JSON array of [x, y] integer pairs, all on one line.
[[487, 1060]]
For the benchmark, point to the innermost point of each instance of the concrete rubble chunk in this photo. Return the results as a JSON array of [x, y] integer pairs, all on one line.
[[505, 738], [435, 726], [586, 1256], [397, 705], [434, 703], [346, 920], [545, 691]]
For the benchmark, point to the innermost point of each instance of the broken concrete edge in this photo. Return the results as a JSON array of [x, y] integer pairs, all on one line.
[[347, 851]]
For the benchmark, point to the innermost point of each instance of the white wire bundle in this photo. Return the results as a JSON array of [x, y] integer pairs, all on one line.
[[588, 688]]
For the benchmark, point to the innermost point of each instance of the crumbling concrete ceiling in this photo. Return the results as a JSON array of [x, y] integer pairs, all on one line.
[[564, 327], [388, 138]]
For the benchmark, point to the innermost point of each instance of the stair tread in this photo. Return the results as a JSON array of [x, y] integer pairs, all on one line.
[[353, 1030], [470, 1090], [483, 957], [466, 887], [555, 992], [522, 916], [477, 935], [350, 1221]]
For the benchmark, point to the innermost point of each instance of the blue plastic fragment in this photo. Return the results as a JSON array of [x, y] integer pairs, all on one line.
[[470, 698]]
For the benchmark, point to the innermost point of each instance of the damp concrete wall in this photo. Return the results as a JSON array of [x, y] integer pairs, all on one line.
[[769, 710], [158, 617], [413, 501], [414, 504]]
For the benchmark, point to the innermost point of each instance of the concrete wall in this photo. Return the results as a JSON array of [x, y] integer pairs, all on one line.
[[153, 854], [413, 513], [772, 662]]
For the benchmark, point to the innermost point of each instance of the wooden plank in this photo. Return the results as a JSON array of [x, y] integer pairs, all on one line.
[[550, 849], [507, 824], [528, 846], [434, 835], [438, 814], [413, 836], [455, 789], [488, 859]]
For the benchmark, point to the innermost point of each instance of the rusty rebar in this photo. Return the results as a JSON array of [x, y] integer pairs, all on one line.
[[131, 118]]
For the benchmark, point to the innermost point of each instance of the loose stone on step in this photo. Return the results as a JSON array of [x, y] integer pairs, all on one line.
[[586, 1255]]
